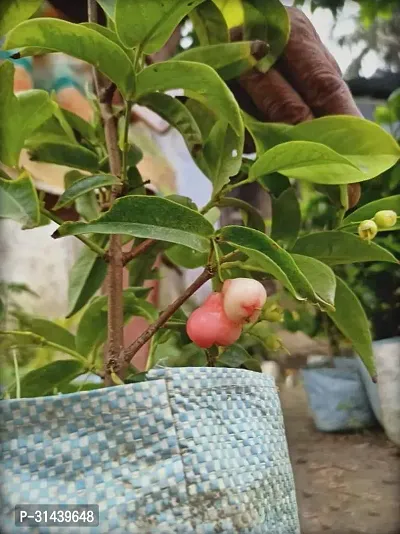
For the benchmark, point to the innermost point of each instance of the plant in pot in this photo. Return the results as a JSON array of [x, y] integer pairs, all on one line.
[[197, 442]]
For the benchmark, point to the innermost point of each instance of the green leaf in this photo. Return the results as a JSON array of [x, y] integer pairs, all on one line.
[[19, 201], [52, 332], [263, 251], [86, 277], [19, 115], [339, 248], [209, 24], [349, 316], [92, 328], [70, 155], [305, 160], [186, 257], [369, 210], [198, 81], [109, 7], [77, 41], [286, 217], [252, 216], [266, 135], [41, 382], [177, 115], [268, 21], [149, 24], [148, 217], [84, 128], [320, 276], [230, 60], [234, 356], [362, 142], [84, 185], [183, 201], [12, 12], [274, 183], [204, 117], [221, 157]]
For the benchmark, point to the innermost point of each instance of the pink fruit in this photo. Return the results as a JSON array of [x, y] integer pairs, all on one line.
[[243, 299], [209, 325]]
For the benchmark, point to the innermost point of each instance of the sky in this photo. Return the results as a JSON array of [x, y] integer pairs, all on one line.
[[323, 22]]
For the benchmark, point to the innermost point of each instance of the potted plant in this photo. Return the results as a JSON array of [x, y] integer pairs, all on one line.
[[197, 442]]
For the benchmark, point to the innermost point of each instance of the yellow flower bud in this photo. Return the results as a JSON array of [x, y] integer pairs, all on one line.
[[385, 218], [367, 230]]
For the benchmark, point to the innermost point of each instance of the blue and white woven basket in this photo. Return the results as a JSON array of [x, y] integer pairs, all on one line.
[[192, 450]]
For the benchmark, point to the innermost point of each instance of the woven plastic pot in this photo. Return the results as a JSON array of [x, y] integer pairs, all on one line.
[[337, 397], [192, 450]]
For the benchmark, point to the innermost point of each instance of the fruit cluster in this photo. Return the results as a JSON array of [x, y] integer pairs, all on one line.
[[220, 319]]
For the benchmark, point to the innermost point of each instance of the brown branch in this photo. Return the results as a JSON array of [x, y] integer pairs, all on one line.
[[115, 270], [133, 348], [136, 251]]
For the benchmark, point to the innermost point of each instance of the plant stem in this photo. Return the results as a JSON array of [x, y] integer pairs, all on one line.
[[93, 246], [125, 145], [17, 379], [133, 348], [344, 201], [115, 269], [136, 251]]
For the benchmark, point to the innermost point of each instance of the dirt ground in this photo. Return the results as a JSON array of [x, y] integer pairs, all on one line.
[[345, 483]]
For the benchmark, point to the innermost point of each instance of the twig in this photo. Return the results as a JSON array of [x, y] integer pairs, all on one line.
[[115, 270], [136, 251], [133, 348], [91, 244]]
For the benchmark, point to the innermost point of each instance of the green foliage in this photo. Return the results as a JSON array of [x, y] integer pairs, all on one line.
[[78, 41], [148, 25], [349, 316], [149, 217], [209, 24], [309, 252], [19, 201]]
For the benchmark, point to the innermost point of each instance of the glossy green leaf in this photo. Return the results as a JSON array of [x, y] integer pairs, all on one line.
[[41, 382], [74, 156], [77, 41], [362, 142], [12, 12], [262, 250], [149, 217], [92, 328], [274, 183], [84, 128], [266, 135], [268, 21], [186, 257], [221, 157], [339, 248], [109, 7], [52, 332], [234, 356], [19, 201], [198, 81], [149, 23], [320, 276], [183, 201], [19, 115], [86, 277], [84, 185], [177, 115], [349, 316], [368, 211], [252, 216], [286, 217], [204, 117], [308, 161], [209, 24], [230, 60]]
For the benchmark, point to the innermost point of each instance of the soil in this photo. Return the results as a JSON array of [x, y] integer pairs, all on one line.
[[345, 483]]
